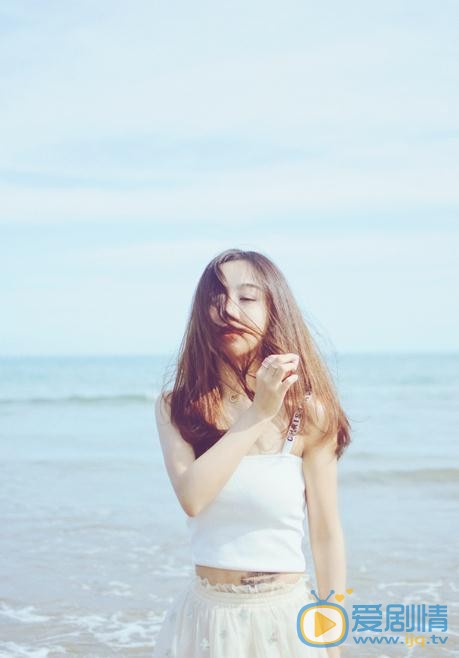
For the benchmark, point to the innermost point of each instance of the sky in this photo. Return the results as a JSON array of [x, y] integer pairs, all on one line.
[[138, 140]]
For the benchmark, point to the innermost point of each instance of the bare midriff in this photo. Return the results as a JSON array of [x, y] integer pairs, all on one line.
[[217, 576]]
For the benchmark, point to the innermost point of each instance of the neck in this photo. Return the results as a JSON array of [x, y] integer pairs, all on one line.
[[231, 384]]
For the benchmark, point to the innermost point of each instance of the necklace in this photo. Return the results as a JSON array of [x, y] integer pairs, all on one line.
[[234, 396]]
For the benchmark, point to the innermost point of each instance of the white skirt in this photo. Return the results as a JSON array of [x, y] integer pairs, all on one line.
[[236, 621]]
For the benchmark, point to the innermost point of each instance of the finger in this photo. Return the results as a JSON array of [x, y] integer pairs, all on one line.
[[287, 356], [276, 372], [276, 366], [284, 370], [288, 382], [275, 359]]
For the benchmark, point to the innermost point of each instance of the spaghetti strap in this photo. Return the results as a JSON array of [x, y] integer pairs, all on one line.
[[293, 429]]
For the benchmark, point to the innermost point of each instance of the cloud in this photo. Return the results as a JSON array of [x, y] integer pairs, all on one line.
[[103, 72], [241, 195], [367, 251], [142, 140]]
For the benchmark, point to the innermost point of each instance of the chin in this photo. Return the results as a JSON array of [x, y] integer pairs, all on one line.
[[241, 346]]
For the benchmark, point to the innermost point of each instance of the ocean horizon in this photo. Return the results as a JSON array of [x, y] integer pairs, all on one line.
[[95, 540]]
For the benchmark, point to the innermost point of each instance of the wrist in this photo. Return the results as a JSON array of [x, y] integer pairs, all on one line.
[[257, 415]]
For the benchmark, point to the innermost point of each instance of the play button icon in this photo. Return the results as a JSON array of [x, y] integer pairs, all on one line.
[[322, 624]]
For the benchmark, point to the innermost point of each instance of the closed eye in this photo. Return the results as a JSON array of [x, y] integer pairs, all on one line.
[[246, 299]]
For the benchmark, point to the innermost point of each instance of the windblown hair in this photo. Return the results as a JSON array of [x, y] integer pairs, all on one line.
[[195, 398]]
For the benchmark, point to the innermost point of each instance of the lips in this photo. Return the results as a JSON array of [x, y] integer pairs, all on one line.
[[228, 330], [229, 337]]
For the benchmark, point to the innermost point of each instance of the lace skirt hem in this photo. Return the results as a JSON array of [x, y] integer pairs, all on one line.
[[248, 621]]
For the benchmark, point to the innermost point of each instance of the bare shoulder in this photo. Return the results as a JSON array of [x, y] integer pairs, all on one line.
[[312, 437], [162, 408], [178, 454], [316, 408]]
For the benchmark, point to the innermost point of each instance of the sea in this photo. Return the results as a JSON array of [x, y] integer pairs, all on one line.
[[94, 544]]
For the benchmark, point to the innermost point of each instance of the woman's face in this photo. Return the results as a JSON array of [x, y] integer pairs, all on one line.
[[246, 303]]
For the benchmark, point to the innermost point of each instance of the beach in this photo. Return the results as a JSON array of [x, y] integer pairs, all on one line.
[[94, 541]]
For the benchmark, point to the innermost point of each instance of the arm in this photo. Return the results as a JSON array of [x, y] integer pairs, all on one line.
[[325, 531], [197, 481]]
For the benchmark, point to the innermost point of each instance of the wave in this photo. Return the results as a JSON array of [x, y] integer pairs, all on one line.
[[109, 398], [444, 475]]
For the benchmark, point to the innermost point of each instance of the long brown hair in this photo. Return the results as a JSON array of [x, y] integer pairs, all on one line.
[[195, 399]]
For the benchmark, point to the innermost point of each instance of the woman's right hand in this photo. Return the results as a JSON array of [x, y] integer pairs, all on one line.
[[273, 379]]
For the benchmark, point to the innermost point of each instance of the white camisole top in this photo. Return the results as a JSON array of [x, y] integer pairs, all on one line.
[[257, 520]]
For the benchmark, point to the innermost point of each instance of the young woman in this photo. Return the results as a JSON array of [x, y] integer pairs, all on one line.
[[251, 432]]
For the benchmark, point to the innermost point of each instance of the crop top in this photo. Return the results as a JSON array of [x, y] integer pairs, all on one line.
[[257, 520]]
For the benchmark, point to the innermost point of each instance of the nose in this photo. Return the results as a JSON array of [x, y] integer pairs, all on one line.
[[232, 308]]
